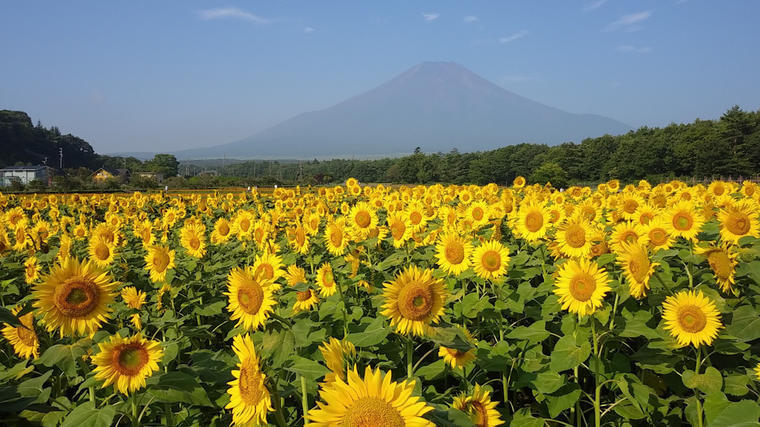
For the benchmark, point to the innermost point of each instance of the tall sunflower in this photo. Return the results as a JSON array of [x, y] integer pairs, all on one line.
[[23, 338], [222, 231], [657, 233], [479, 407], [101, 251], [683, 220], [399, 228], [127, 362], [737, 221], [723, 261], [249, 397], [691, 318], [74, 297], [326, 280], [158, 261], [581, 286], [374, 400], [574, 237], [31, 269], [305, 300], [193, 239], [362, 219], [490, 260], [251, 298], [532, 220], [132, 297], [335, 237], [268, 266], [637, 268], [336, 354], [414, 300], [453, 252]]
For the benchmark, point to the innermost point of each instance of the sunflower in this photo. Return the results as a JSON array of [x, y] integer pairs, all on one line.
[[136, 321], [574, 237], [415, 216], [490, 260], [249, 397], [683, 221], [518, 182], [458, 358], [127, 362], [737, 221], [477, 214], [722, 260], [691, 318], [295, 275], [298, 238], [326, 280], [222, 231], [453, 252], [627, 232], [657, 234], [581, 286], [251, 299], [757, 371], [268, 266], [193, 239], [31, 269], [335, 352], [414, 300], [64, 248], [335, 237], [532, 221], [362, 219], [305, 300], [23, 338], [400, 230], [374, 400], [242, 225], [479, 407], [74, 297], [100, 251], [159, 260], [637, 268]]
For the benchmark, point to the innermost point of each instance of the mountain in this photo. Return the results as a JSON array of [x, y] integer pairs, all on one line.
[[436, 106]]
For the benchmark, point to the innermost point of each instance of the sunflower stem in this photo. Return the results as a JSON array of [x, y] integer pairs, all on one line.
[[91, 390], [135, 419], [696, 391], [304, 401], [345, 309], [409, 358], [597, 387]]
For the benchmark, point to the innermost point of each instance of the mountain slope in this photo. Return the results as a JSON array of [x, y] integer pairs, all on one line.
[[434, 105]]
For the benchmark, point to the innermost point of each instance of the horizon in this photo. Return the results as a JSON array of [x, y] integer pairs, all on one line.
[[186, 80]]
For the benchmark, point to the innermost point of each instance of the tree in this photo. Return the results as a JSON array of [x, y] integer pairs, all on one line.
[[165, 164], [550, 172]]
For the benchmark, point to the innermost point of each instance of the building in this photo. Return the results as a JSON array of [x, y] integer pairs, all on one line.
[[25, 174], [102, 175]]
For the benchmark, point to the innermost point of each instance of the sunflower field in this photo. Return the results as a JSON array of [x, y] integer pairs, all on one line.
[[359, 305]]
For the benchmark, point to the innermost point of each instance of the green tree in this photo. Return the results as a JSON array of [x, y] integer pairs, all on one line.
[[165, 164], [550, 172]]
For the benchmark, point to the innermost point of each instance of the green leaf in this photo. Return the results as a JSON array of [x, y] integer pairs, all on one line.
[[745, 324], [32, 387], [309, 369], [562, 399], [536, 332], [738, 414], [65, 356], [568, 355], [432, 370], [709, 382], [6, 316], [87, 415], [450, 337], [549, 382], [373, 334], [196, 397], [177, 380], [210, 309]]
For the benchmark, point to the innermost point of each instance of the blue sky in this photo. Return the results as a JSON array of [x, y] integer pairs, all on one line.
[[160, 75]]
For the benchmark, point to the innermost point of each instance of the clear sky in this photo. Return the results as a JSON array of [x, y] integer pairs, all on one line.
[[160, 75]]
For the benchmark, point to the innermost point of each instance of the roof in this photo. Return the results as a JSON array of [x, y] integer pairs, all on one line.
[[19, 168]]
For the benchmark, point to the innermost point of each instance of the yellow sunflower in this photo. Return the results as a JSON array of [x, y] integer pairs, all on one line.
[[581, 286], [458, 358], [193, 239], [723, 261], [305, 300], [127, 362], [490, 260], [479, 407], [222, 231], [74, 297], [132, 297], [31, 270], [532, 221], [100, 251], [737, 221], [683, 220], [518, 182], [336, 352], [657, 233], [335, 237], [637, 268], [326, 280], [399, 228], [362, 219], [414, 300], [574, 237], [757, 371], [159, 260], [23, 338], [691, 318], [374, 400], [268, 266], [627, 232], [453, 252], [251, 299], [249, 397], [295, 275]]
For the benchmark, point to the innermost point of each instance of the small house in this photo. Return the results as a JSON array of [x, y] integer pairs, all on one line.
[[25, 174]]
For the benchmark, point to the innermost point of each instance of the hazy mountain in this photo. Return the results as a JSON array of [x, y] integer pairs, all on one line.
[[436, 106]]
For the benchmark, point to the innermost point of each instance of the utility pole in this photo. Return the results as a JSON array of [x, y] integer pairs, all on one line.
[[60, 154]]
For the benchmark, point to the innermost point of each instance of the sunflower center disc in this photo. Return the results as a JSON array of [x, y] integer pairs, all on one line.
[[245, 224], [415, 217], [26, 334], [250, 297], [477, 213], [195, 243], [630, 237], [303, 296], [77, 297], [582, 286], [224, 229], [657, 236], [534, 221], [692, 319], [249, 384], [372, 412], [397, 230], [738, 223], [720, 264], [329, 279], [130, 359], [639, 266], [575, 236], [363, 219], [682, 222], [491, 260], [265, 271], [415, 301], [454, 253], [630, 206], [160, 260], [102, 252], [336, 237]]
